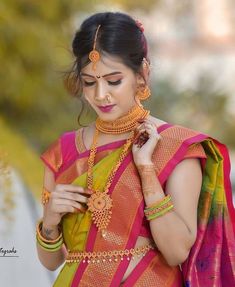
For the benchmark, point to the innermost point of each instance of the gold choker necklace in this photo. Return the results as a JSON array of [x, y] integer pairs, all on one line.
[[123, 124]]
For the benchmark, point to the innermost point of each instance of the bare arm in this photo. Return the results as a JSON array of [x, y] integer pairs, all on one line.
[[65, 198], [175, 232], [51, 260]]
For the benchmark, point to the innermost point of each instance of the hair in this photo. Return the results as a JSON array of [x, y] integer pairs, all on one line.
[[119, 35]]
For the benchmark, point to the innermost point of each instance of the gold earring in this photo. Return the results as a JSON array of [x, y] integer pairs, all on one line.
[[143, 93]]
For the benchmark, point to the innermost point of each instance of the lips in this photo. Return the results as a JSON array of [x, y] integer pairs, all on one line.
[[106, 109]]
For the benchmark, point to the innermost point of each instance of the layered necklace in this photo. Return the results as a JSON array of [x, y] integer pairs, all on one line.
[[100, 202]]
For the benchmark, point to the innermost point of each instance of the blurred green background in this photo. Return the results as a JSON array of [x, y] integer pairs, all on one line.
[[35, 50]]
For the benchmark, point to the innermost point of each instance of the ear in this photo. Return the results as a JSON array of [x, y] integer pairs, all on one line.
[[143, 75]]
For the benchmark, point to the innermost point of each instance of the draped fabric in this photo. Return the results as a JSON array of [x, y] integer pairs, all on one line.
[[211, 260]]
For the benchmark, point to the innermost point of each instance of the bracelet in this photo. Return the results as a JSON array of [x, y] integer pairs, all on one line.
[[45, 196], [48, 244], [159, 208], [160, 213], [159, 203], [43, 239], [49, 247]]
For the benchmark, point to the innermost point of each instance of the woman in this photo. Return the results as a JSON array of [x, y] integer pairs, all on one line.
[[131, 200]]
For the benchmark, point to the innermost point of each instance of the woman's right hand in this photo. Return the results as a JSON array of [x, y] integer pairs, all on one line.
[[64, 198]]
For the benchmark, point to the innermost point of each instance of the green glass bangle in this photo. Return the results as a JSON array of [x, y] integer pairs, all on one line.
[[158, 214], [49, 246], [163, 202], [50, 250]]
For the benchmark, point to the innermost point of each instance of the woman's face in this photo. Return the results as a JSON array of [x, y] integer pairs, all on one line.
[[111, 88]]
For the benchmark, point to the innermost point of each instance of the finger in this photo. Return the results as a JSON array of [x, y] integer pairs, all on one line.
[[153, 137], [70, 188], [72, 196], [153, 134], [63, 209], [67, 202]]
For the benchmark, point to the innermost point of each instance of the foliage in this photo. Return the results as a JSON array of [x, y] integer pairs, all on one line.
[[35, 42], [202, 108], [22, 156]]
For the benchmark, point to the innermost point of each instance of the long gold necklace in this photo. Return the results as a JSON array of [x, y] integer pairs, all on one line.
[[100, 203], [124, 124]]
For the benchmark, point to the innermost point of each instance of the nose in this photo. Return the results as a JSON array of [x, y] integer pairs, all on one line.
[[100, 91]]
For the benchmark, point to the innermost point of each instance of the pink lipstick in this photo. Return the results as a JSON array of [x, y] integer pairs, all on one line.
[[106, 109]]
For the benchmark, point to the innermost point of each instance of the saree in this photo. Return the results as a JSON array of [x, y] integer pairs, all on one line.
[[211, 261]]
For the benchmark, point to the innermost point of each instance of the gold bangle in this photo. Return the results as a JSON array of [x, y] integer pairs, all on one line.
[[38, 231]]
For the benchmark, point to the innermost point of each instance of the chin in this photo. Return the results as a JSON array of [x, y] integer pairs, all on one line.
[[108, 117]]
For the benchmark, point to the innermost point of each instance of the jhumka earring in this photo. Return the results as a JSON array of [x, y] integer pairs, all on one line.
[[94, 55], [143, 93]]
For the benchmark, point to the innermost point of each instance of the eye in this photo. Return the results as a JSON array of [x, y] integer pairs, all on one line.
[[88, 84], [114, 83]]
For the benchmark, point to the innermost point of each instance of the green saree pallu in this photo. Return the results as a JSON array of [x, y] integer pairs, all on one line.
[[211, 261]]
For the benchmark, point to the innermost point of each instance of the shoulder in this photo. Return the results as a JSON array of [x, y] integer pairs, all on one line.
[[178, 143], [61, 150]]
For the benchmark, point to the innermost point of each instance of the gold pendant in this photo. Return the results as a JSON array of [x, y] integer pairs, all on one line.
[[100, 205]]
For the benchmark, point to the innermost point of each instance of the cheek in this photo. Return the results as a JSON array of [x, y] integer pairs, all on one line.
[[87, 94], [126, 87]]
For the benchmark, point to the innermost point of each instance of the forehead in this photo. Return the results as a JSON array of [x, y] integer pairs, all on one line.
[[107, 64]]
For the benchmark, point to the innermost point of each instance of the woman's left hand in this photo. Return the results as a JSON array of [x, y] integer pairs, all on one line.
[[143, 154]]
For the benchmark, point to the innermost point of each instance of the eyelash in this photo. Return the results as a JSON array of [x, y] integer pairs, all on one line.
[[89, 84]]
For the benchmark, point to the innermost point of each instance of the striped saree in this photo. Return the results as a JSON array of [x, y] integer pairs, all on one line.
[[211, 260]]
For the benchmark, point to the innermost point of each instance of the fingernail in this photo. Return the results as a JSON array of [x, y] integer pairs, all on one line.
[[89, 191], [80, 210]]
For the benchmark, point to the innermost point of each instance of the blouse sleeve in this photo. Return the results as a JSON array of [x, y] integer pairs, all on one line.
[[195, 151], [52, 157]]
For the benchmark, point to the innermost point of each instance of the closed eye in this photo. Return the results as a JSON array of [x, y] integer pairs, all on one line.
[[91, 83], [88, 84], [115, 83]]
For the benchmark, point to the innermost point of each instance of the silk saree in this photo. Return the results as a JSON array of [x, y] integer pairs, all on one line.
[[211, 261]]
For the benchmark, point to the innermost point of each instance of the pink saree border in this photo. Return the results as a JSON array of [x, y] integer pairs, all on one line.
[[140, 267], [178, 156], [93, 230], [124, 264]]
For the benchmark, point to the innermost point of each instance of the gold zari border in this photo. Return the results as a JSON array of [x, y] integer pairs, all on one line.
[[108, 256]]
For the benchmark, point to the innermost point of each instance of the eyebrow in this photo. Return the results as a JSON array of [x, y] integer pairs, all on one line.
[[106, 75]]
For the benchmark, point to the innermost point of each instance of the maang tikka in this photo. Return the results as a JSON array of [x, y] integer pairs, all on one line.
[[94, 55]]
